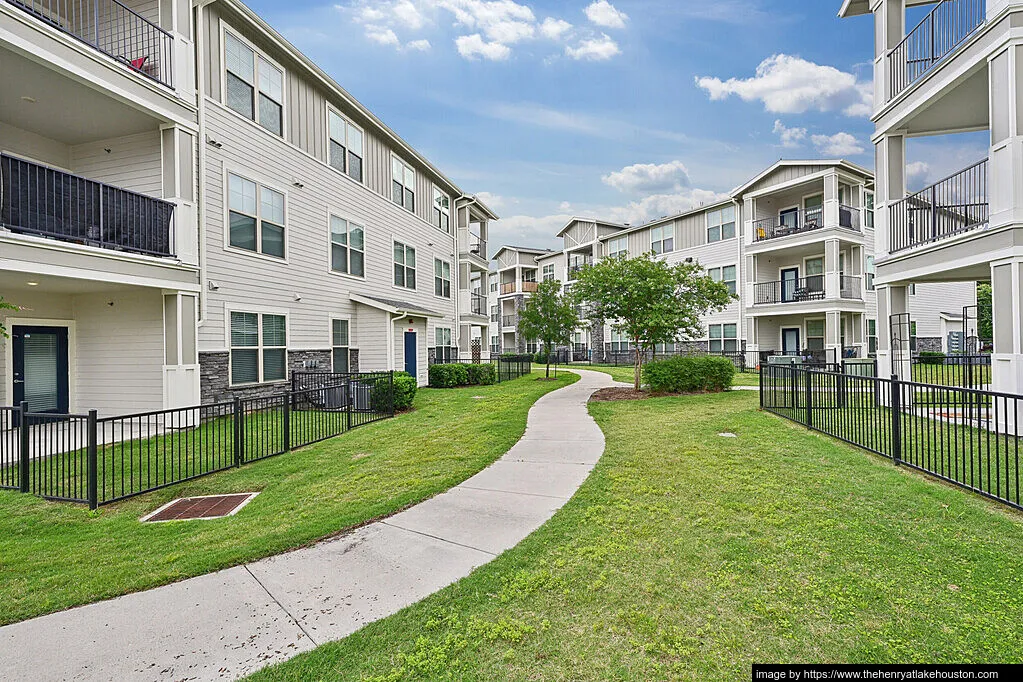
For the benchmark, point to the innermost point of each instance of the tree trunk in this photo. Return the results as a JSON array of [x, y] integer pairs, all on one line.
[[548, 375], [639, 362]]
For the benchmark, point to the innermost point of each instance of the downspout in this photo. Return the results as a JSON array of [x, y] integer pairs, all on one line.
[[390, 340], [200, 96]]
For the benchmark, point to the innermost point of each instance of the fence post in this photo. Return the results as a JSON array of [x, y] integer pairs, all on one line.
[[349, 400], [390, 379], [286, 421], [760, 380], [896, 409], [23, 459], [92, 461], [807, 376], [239, 433]]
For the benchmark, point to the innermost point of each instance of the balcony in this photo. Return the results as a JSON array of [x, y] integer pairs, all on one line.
[[528, 287], [38, 200], [805, 220], [794, 290], [507, 287], [575, 268], [849, 287], [477, 246], [509, 320], [113, 29], [952, 206], [477, 303], [946, 27]]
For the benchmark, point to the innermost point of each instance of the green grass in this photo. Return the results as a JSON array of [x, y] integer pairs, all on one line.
[[688, 556], [622, 373], [951, 375], [54, 556]]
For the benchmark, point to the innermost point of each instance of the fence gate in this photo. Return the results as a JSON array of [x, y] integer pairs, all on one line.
[[974, 340], [900, 333]]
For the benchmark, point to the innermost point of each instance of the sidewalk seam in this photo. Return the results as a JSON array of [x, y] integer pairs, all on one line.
[[437, 537], [282, 607]]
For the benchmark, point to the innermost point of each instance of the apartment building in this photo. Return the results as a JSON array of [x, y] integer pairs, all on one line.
[[794, 244], [941, 68], [98, 222], [169, 241], [514, 278]]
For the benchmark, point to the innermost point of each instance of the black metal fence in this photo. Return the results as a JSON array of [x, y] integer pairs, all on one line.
[[93, 460], [968, 437], [507, 367]]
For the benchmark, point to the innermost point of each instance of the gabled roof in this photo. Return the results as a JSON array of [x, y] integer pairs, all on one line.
[[478, 203], [782, 163], [393, 306], [854, 8], [577, 219], [667, 218]]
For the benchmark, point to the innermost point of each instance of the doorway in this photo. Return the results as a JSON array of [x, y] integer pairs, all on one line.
[[411, 349], [789, 284], [790, 341], [41, 368]]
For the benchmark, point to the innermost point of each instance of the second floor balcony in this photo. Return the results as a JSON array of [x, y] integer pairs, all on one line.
[[804, 289], [113, 28], [477, 303], [39, 200], [575, 267], [509, 320], [802, 220], [952, 206]]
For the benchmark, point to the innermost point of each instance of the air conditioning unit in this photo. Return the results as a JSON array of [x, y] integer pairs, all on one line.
[[784, 360]]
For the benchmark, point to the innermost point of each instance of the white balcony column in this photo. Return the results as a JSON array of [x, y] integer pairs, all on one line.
[[892, 301], [175, 18], [831, 199], [889, 30], [832, 282], [890, 162], [1007, 316], [181, 361], [1005, 169], [749, 213], [178, 149]]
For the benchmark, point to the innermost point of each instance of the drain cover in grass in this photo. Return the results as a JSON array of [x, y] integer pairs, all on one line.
[[727, 434], [205, 507]]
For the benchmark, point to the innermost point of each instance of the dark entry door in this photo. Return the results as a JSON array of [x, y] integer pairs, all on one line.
[[790, 341], [410, 354], [41, 368], [789, 283]]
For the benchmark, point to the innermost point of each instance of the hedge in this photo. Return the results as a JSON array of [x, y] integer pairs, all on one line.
[[930, 357], [482, 375], [448, 375], [684, 374], [404, 393]]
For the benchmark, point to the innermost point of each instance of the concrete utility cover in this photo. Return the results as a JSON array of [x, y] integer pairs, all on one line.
[[205, 507], [726, 434]]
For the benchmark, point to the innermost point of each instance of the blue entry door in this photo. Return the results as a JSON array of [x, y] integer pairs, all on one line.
[[410, 354]]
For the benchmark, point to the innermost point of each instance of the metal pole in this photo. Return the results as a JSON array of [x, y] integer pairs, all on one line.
[[92, 461], [807, 376], [239, 442], [23, 446], [286, 421], [896, 409]]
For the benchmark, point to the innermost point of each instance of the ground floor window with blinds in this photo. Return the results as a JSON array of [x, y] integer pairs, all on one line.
[[339, 346], [872, 337], [815, 334], [723, 338], [445, 352], [258, 348]]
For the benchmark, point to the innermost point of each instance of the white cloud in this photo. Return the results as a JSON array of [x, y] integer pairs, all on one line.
[[565, 206], [839, 144], [421, 45], [791, 85], [492, 200], [594, 49], [603, 13], [554, 28], [474, 47], [916, 173], [384, 36], [658, 205], [408, 15], [509, 32], [790, 137], [648, 177]]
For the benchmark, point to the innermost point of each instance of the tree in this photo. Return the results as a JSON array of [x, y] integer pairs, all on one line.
[[984, 321], [4, 305], [548, 317], [650, 301]]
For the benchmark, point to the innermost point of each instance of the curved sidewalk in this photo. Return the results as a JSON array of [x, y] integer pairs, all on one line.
[[231, 623]]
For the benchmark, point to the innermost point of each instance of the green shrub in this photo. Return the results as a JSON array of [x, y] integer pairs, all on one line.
[[448, 375], [482, 375], [381, 395], [686, 374], [930, 357]]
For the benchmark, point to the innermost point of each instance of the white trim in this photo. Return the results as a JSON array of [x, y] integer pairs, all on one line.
[[331, 213], [347, 119], [225, 28], [415, 269], [234, 511], [285, 313], [228, 171], [415, 179], [72, 355]]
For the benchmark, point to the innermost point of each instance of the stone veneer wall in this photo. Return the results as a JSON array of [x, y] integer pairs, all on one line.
[[597, 341], [215, 374], [928, 344]]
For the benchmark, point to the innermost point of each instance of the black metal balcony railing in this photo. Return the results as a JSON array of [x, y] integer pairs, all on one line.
[[477, 246], [794, 290], [806, 220], [113, 29], [957, 204], [943, 29], [35, 199], [509, 320], [849, 287], [478, 303]]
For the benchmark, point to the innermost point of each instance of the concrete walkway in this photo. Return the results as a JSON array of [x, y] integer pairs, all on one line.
[[227, 624]]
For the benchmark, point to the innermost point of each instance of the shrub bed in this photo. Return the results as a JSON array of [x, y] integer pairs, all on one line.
[[404, 392], [689, 374], [930, 357], [448, 375], [482, 375]]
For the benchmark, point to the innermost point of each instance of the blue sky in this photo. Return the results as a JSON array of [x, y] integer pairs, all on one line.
[[625, 110]]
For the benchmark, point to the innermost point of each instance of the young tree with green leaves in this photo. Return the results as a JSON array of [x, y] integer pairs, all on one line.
[[549, 317], [4, 305], [985, 326], [650, 301]]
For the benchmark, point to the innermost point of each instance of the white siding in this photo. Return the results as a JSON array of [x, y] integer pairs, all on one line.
[[932, 299], [132, 162]]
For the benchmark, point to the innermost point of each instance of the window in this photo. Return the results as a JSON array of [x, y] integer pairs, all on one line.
[[258, 348], [618, 247], [872, 337], [404, 266], [441, 278], [339, 345], [620, 343], [256, 217], [493, 313], [789, 218], [868, 210], [532, 347], [253, 86], [495, 344], [529, 275], [912, 336], [815, 334], [869, 272], [662, 239], [443, 349], [345, 146], [347, 247], [723, 338], [912, 289], [493, 286], [548, 272], [721, 224], [403, 184], [724, 274], [442, 211]]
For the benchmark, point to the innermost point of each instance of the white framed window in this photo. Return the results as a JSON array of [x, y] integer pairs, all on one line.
[[495, 344], [493, 285], [253, 85], [444, 351], [548, 272], [404, 266], [529, 275], [723, 338], [721, 224], [345, 145], [532, 346], [620, 343], [259, 345], [441, 210], [724, 274], [403, 184], [869, 274], [255, 216], [441, 278], [618, 247], [662, 239], [347, 247], [815, 334], [871, 337], [868, 209], [339, 340]]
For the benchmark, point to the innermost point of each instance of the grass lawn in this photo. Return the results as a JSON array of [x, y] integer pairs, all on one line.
[[622, 373], [687, 555], [54, 556]]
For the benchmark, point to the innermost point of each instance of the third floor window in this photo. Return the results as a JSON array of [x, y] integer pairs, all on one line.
[[345, 147], [253, 86], [403, 184]]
